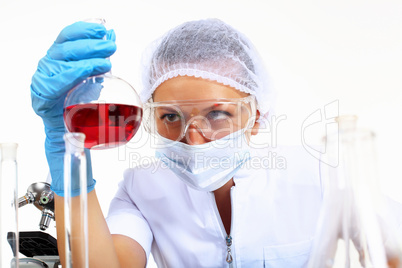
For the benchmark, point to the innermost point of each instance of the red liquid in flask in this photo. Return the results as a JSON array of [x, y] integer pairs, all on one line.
[[104, 125]]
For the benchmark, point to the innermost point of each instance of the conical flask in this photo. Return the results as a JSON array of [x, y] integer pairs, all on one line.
[[356, 227], [75, 201], [9, 236]]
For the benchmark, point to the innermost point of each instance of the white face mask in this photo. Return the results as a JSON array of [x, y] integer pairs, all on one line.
[[207, 166]]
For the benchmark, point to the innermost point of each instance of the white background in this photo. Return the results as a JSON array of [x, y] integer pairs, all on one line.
[[316, 52]]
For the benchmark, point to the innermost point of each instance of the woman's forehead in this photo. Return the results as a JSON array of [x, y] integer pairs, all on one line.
[[192, 88]]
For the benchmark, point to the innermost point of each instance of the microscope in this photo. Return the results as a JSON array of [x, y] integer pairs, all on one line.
[[40, 195], [39, 247]]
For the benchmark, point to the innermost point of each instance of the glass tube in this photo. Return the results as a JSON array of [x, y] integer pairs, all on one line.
[[9, 236], [355, 228], [75, 201]]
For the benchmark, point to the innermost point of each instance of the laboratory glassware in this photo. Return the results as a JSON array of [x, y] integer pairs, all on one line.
[[9, 236], [106, 108], [75, 201], [355, 228]]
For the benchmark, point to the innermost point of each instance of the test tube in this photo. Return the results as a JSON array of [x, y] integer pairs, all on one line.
[[75, 201], [9, 236]]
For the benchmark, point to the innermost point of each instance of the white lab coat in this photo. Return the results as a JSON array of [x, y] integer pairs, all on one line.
[[274, 214]]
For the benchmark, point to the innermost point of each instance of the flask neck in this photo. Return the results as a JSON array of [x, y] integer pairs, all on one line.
[[74, 142], [346, 122], [352, 150]]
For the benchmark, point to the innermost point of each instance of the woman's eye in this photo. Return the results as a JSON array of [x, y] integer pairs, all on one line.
[[170, 117], [218, 115]]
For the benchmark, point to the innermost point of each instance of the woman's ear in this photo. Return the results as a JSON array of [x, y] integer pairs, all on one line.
[[256, 127]]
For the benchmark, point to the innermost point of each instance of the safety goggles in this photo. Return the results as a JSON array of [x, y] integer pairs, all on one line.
[[212, 118]]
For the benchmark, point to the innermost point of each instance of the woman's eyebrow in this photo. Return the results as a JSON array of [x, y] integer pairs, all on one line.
[[163, 109], [218, 105], [213, 106], [166, 109]]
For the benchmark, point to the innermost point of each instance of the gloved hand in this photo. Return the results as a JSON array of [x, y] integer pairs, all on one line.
[[78, 52]]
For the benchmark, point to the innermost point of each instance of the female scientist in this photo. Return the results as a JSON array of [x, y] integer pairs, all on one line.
[[209, 203]]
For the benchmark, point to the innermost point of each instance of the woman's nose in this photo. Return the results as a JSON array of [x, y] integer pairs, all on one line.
[[194, 136]]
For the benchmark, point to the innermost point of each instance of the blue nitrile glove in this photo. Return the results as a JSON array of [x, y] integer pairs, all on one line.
[[78, 52]]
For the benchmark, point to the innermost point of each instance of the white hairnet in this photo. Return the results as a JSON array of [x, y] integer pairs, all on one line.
[[209, 49]]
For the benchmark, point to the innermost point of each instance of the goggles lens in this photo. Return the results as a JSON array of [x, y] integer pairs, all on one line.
[[214, 119]]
